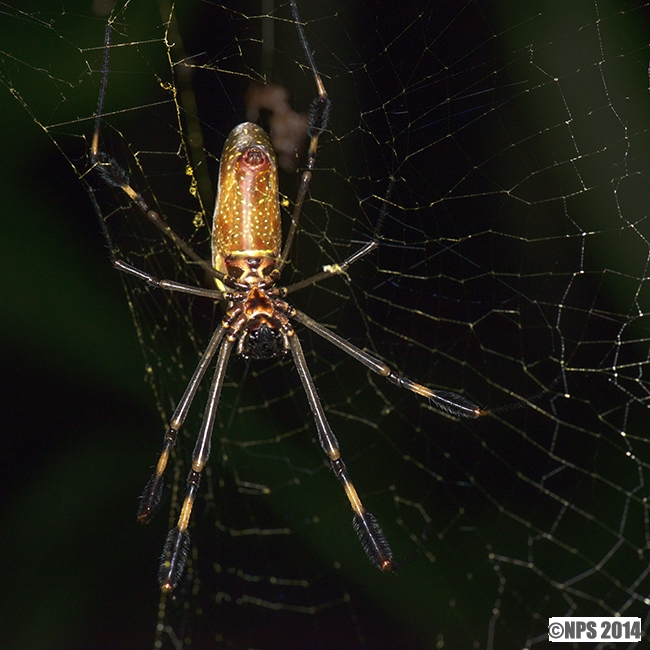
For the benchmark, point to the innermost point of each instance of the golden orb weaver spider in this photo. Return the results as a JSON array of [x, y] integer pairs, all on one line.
[[247, 260]]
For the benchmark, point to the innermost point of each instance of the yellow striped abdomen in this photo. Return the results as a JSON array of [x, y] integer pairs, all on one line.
[[247, 229]]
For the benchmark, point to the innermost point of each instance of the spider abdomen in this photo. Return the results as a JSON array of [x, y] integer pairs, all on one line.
[[247, 223]]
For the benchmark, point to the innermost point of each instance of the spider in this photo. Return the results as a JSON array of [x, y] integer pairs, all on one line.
[[247, 260]]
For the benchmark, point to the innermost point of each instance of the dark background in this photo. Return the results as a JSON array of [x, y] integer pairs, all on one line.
[[81, 427]]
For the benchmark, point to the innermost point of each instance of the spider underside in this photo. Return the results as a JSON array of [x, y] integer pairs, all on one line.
[[247, 260]]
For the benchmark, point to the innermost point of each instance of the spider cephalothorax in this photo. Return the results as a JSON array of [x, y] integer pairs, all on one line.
[[257, 321]]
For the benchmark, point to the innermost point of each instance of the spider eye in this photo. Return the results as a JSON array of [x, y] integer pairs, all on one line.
[[263, 343]]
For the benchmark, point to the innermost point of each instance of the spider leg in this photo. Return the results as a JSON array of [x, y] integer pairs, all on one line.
[[178, 539], [150, 499], [169, 285], [334, 269], [318, 116], [368, 530], [446, 401], [115, 176]]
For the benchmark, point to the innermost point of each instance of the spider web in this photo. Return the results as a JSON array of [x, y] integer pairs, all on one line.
[[503, 148]]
